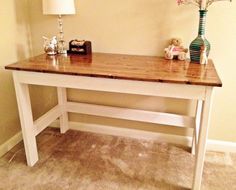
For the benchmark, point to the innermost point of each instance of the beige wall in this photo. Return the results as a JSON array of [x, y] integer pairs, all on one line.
[[144, 27], [14, 46]]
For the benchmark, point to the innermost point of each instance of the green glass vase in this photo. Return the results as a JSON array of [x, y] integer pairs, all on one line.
[[195, 46]]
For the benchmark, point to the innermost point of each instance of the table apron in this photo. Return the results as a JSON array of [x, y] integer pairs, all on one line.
[[183, 91]]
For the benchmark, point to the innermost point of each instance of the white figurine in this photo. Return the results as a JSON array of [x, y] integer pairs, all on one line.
[[50, 45], [203, 55]]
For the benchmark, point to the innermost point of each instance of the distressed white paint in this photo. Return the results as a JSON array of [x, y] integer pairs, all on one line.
[[113, 85], [44, 121], [197, 126], [26, 119], [62, 100], [192, 92], [131, 114], [203, 133]]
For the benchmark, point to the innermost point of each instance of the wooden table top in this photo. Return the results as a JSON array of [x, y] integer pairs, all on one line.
[[117, 66]]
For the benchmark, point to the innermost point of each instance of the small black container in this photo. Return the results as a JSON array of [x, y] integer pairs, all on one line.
[[80, 47]]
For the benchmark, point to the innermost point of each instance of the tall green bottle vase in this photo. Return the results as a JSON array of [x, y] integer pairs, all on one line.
[[195, 46]]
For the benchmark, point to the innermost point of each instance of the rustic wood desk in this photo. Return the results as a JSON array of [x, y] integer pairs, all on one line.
[[144, 75]]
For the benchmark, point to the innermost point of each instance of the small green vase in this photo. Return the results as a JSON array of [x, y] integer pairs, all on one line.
[[195, 46]]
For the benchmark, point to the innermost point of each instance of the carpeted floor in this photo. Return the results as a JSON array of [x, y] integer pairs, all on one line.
[[87, 161]]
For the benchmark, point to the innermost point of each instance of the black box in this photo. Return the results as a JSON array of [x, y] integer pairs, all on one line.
[[80, 47]]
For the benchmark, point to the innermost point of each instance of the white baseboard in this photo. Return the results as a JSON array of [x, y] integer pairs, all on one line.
[[221, 146], [8, 145], [212, 145], [124, 132]]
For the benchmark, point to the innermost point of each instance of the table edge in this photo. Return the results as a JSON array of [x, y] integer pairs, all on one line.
[[119, 77]]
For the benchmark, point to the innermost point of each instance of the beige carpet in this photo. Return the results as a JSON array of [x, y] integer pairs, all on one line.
[[87, 161]]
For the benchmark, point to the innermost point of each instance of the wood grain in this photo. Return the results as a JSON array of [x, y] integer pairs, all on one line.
[[117, 66]]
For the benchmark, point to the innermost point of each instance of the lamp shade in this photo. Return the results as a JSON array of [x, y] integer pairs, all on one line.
[[58, 7]]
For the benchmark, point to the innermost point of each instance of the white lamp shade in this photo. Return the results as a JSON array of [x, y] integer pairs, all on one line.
[[58, 7]]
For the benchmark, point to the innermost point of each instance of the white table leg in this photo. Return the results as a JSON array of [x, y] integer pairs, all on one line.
[[203, 133], [197, 126], [193, 150], [62, 99], [26, 119]]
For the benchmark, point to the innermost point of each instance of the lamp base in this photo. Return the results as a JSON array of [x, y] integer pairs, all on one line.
[[61, 42], [61, 47]]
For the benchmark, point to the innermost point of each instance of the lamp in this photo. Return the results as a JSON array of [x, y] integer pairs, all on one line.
[[59, 7]]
